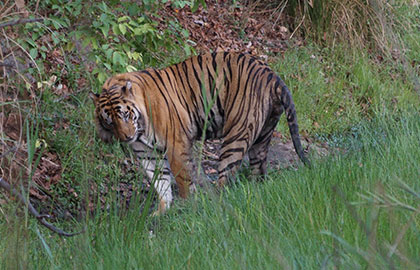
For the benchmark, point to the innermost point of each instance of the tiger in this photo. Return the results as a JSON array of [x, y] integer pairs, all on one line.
[[160, 113]]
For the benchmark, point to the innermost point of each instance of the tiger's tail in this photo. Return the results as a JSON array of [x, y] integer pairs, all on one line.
[[286, 101]]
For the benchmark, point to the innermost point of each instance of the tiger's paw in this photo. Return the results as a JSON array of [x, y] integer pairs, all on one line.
[[162, 208]]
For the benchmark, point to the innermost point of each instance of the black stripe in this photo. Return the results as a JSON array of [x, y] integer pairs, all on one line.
[[234, 150], [200, 61], [214, 63], [220, 108], [231, 165], [225, 54], [212, 83], [157, 85]]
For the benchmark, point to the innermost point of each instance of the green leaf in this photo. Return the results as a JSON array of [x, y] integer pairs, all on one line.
[[187, 50], [131, 68], [122, 28], [30, 41], [33, 52], [108, 53], [101, 77], [138, 31], [97, 59], [56, 24], [79, 34], [129, 26], [104, 18], [143, 29], [136, 56], [104, 7], [116, 29], [126, 48], [70, 46], [61, 22], [133, 10], [96, 24], [55, 39], [95, 71], [185, 33], [86, 42], [123, 18], [116, 58], [197, 3], [133, 23], [94, 43], [105, 30]]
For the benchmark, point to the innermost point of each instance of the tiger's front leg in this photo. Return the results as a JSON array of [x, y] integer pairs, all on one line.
[[180, 160], [157, 170]]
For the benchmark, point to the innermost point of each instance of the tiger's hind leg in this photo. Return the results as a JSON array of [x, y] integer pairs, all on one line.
[[259, 150], [232, 153], [258, 154]]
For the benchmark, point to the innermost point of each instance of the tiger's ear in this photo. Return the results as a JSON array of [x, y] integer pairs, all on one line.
[[128, 88], [94, 97]]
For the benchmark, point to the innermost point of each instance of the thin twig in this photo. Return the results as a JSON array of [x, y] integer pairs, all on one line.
[[4, 13], [23, 50], [36, 6], [4, 6], [297, 27], [41, 218], [5, 153], [20, 21], [2, 64]]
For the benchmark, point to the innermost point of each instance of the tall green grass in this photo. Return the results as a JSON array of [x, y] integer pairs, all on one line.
[[353, 210], [376, 25], [334, 89], [345, 212]]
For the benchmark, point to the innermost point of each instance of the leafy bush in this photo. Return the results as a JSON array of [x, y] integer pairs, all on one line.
[[116, 37], [122, 42]]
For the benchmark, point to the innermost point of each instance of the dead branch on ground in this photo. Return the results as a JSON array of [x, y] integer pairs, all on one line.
[[41, 218], [20, 21]]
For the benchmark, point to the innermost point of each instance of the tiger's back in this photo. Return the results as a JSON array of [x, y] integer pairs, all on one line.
[[234, 97]]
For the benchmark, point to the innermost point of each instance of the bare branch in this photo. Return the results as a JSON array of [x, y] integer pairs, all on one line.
[[2, 64], [20, 21], [5, 153], [41, 218]]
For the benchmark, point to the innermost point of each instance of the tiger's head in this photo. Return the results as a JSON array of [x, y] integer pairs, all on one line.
[[116, 113]]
